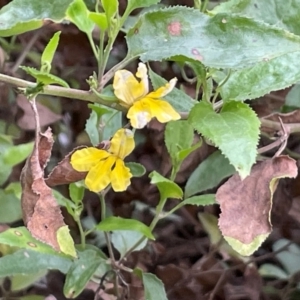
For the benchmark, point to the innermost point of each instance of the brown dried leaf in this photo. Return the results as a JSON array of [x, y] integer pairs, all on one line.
[[41, 213], [27, 121], [64, 173], [246, 205]]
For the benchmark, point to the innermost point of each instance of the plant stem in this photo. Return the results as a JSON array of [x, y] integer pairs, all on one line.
[[81, 231], [90, 38]]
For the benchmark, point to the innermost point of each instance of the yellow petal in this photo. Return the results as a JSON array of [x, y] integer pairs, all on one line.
[[98, 178], [139, 114], [164, 90], [82, 160], [161, 110], [127, 88], [122, 143], [120, 176]]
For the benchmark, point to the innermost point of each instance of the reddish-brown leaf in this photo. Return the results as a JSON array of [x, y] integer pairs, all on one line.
[[246, 204]]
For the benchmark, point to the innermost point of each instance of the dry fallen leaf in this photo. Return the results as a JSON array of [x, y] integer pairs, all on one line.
[[41, 213], [246, 205]]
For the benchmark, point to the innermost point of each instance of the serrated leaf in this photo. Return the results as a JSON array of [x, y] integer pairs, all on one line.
[[136, 169], [124, 240], [166, 187], [49, 52], [21, 238], [134, 4], [266, 76], [235, 131], [276, 12], [117, 223], [179, 135], [110, 8], [78, 14], [178, 99], [154, 287], [208, 174], [81, 272], [65, 241], [44, 77], [212, 40], [24, 15], [26, 261]]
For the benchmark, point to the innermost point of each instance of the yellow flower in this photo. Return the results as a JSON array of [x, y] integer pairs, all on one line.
[[143, 106], [106, 167]]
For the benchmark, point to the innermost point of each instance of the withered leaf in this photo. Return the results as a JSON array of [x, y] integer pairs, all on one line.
[[64, 173], [246, 205], [41, 213]]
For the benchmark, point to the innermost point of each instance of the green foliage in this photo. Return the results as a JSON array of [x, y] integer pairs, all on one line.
[[99, 19], [181, 31], [136, 169], [208, 174], [235, 131], [110, 8], [65, 241], [154, 288], [24, 15], [134, 4], [117, 223], [10, 207]]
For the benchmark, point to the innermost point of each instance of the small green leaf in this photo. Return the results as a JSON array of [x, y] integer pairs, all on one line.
[[110, 8], [99, 19], [78, 14], [124, 240], [10, 207], [22, 281], [293, 97], [76, 192], [136, 169], [179, 135], [92, 128], [21, 238], [182, 31], [273, 271], [166, 187], [133, 4], [201, 200], [49, 52], [154, 287], [26, 261], [24, 15], [81, 272], [208, 174], [65, 241], [16, 154], [117, 223], [183, 154], [235, 131], [44, 77], [177, 98]]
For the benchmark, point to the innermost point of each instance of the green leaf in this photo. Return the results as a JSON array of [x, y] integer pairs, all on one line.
[[99, 19], [16, 154], [154, 287], [133, 4], [26, 261], [110, 8], [235, 131], [166, 187], [21, 238], [76, 192], [208, 174], [78, 14], [44, 77], [92, 128], [124, 240], [179, 135], [276, 12], [10, 207], [65, 241], [81, 272], [293, 97], [182, 31], [201, 200], [177, 98], [20, 281], [136, 169], [24, 15], [266, 76], [49, 52], [117, 223], [273, 271]]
